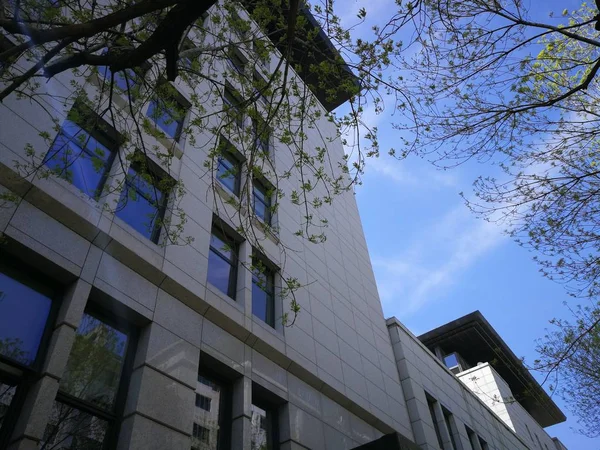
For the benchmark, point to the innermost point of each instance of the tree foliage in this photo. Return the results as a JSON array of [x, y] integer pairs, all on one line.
[[499, 83], [570, 353], [103, 63]]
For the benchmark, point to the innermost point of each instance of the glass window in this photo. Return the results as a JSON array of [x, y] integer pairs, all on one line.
[[203, 402], [263, 428], [142, 204], [23, 316], [484, 445], [263, 303], [229, 172], [236, 62], [25, 319], [431, 403], [94, 367], [262, 202], [261, 137], [259, 87], [208, 423], [231, 105], [86, 404], [168, 114], [72, 428], [451, 360], [124, 79], [7, 393], [78, 156], [222, 263], [449, 425]]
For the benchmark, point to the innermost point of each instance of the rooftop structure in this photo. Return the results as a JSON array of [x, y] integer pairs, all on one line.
[[473, 339]]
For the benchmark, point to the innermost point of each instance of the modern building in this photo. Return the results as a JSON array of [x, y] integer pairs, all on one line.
[[110, 339]]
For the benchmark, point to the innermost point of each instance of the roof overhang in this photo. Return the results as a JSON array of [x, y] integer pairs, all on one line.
[[313, 55], [476, 341]]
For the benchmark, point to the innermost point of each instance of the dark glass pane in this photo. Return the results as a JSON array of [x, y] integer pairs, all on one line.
[[260, 429], [7, 392], [73, 429], [220, 273], [227, 174], [203, 402], [78, 158], [205, 432], [167, 120], [23, 316], [140, 205], [94, 367]]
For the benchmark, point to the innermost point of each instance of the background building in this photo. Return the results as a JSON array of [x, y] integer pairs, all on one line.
[[110, 339]]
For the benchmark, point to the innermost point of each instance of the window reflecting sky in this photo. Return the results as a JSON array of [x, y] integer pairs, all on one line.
[[23, 315]]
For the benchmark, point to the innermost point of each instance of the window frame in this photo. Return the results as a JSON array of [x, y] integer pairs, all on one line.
[[228, 153], [108, 137], [114, 418], [12, 372], [221, 234], [237, 61], [157, 99], [270, 273], [157, 176], [259, 185], [262, 143], [231, 105], [206, 369]]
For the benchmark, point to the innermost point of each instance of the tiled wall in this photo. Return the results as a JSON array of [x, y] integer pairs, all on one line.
[[423, 373], [337, 351]]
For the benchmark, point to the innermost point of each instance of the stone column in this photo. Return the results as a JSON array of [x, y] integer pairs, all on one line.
[[37, 408], [160, 403], [241, 414], [441, 424]]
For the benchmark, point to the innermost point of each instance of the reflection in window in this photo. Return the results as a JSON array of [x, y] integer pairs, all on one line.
[[142, 204], [228, 172], [231, 105], [94, 367], [168, 114], [86, 402], [262, 202], [71, 428], [222, 263], [23, 316], [261, 136], [78, 156], [7, 392], [260, 431], [431, 404], [203, 402], [207, 422], [124, 80], [263, 302]]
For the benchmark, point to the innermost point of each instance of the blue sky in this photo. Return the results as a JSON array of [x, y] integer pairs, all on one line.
[[434, 261]]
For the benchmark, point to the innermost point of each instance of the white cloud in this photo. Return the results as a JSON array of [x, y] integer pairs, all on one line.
[[400, 173], [434, 262]]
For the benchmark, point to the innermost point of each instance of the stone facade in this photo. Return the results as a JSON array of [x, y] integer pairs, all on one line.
[[471, 410]]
